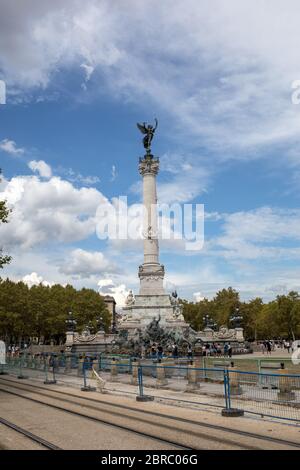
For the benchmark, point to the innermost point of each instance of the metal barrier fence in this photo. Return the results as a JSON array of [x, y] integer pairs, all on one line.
[[275, 394]]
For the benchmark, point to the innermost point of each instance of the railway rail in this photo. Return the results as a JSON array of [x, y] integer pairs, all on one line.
[[33, 437], [162, 421]]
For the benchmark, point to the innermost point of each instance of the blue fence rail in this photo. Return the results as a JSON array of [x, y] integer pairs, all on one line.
[[275, 394]]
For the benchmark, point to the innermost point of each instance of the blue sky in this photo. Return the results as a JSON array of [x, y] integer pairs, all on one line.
[[217, 75]]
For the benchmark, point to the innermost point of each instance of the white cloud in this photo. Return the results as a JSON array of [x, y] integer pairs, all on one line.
[[10, 146], [34, 279], [113, 173], [76, 177], [187, 179], [50, 211], [88, 69], [261, 233], [84, 264], [41, 167], [222, 71], [118, 291], [198, 296]]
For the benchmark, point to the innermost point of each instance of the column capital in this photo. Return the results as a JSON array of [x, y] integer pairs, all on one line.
[[149, 165]]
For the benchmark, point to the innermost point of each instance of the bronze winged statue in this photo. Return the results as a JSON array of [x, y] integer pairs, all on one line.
[[149, 134]]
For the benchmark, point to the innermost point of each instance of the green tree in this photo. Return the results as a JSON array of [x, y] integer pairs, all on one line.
[[4, 212], [288, 314], [251, 313], [41, 311], [88, 306], [15, 320], [194, 312], [224, 304]]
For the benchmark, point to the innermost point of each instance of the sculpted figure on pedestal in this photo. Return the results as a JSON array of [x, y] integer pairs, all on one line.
[[149, 134]]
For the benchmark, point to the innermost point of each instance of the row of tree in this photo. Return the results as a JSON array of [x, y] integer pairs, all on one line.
[[279, 318], [41, 311]]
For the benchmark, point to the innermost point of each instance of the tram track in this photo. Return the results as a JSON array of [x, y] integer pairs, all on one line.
[[33, 437], [166, 422], [174, 444]]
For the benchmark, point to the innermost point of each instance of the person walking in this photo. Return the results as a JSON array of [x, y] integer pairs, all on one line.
[[189, 352], [175, 351], [269, 348], [160, 352]]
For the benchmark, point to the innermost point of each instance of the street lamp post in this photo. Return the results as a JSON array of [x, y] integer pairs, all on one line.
[[206, 321], [71, 326], [71, 322], [236, 318], [100, 324], [209, 322]]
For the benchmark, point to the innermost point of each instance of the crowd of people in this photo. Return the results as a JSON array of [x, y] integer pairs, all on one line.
[[217, 350], [208, 349], [267, 346]]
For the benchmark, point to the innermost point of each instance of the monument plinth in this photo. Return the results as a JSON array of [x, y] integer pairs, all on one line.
[[152, 301]]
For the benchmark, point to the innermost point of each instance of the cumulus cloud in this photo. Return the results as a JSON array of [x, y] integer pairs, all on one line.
[[41, 167], [118, 291], [10, 146], [50, 211], [84, 264], [34, 279], [198, 296]]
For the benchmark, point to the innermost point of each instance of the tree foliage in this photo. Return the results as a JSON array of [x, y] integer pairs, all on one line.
[[42, 311], [4, 212], [277, 318]]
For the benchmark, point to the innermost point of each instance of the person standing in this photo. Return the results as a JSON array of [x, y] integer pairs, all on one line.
[[153, 351], [175, 351], [160, 352], [229, 350]]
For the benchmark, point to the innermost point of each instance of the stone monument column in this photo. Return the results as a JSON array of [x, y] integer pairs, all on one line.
[[151, 272], [152, 304]]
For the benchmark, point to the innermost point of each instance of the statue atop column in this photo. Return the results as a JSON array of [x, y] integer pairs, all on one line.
[[149, 131]]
